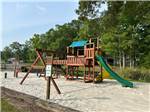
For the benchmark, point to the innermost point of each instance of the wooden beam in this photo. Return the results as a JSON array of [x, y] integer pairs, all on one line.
[[55, 85], [29, 70], [48, 88]]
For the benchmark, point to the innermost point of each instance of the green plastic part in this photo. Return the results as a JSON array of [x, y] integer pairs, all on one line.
[[124, 83]]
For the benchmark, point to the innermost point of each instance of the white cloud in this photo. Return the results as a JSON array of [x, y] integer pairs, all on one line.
[[41, 8]]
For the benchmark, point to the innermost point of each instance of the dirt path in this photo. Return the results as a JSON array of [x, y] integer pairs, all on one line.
[[30, 103]]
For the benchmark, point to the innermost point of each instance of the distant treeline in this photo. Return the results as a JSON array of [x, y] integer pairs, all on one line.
[[124, 31]]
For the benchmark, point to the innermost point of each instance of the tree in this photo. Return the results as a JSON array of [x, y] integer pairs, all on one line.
[[6, 53], [16, 48], [124, 29]]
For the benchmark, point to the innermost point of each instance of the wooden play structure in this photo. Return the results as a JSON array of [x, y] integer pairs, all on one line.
[[79, 54], [83, 55]]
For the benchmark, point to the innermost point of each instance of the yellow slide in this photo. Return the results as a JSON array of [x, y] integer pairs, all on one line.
[[105, 74]]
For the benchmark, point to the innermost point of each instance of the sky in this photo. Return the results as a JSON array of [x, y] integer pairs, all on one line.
[[21, 19]]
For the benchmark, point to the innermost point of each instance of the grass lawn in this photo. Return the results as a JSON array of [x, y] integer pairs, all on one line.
[[7, 107]]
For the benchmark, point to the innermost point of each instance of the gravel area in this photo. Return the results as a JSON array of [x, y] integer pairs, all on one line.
[[108, 96]]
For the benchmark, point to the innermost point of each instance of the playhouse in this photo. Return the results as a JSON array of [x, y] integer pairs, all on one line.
[[82, 54]]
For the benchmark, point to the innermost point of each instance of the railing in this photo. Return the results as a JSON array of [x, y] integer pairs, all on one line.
[[62, 62], [89, 53], [72, 60], [57, 62]]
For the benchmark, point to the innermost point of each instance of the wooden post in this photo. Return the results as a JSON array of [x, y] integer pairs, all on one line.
[[77, 72], [97, 43], [67, 50], [89, 72], [15, 68], [29, 70], [101, 73], [55, 85], [93, 63], [5, 75], [49, 82], [90, 40], [72, 70], [50, 78], [93, 71], [26, 75], [48, 88], [17, 71], [84, 73], [56, 71], [66, 71]]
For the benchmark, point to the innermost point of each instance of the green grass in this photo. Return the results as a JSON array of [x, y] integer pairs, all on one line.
[[7, 107]]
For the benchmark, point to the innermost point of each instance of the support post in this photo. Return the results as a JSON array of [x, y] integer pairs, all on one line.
[[84, 73], [25, 76], [55, 85], [89, 73], [15, 68], [48, 88], [93, 63], [77, 71], [93, 70], [29, 70], [101, 73], [49, 82], [50, 78], [56, 71], [72, 75], [5, 75], [66, 71]]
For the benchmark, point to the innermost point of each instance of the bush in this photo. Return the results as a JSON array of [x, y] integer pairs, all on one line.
[[135, 75], [147, 78], [24, 69], [139, 74]]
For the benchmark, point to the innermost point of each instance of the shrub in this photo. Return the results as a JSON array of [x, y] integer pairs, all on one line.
[[139, 74], [135, 74], [147, 78], [24, 69]]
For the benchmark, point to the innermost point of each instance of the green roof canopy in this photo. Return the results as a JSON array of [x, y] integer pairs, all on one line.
[[78, 43]]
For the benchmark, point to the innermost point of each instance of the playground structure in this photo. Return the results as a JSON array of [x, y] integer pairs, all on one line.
[[80, 54]]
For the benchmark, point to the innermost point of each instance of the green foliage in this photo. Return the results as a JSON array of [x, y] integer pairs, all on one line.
[[137, 74], [145, 61], [147, 78], [16, 48], [124, 29], [6, 53], [88, 9]]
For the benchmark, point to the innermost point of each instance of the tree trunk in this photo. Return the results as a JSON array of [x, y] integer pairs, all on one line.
[[133, 62], [114, 61], [130, 61], [123, 60], [120, 60]]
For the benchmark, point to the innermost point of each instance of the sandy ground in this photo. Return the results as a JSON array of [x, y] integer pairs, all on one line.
[[108, 96]]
